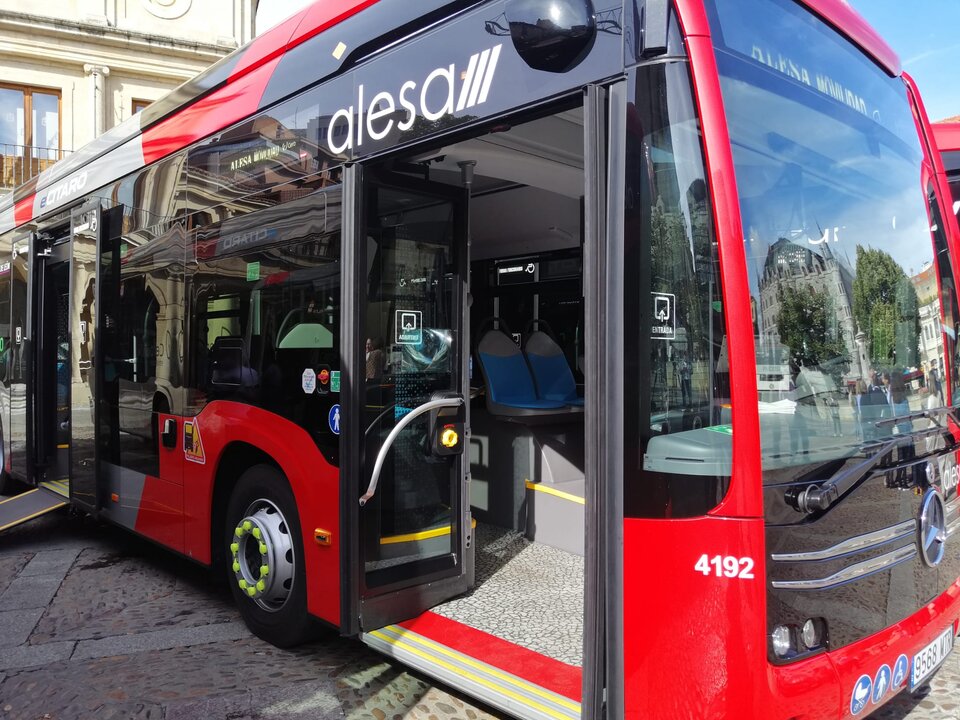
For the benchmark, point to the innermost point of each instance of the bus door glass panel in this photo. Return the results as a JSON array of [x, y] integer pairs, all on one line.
[[5, 250], [52, 385], [17, 357], [140, 296], [411, 324], [82, 321]]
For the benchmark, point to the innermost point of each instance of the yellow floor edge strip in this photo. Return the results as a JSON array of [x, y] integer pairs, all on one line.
[[423, 535], [416, 637], [517, 697], [540, 487]]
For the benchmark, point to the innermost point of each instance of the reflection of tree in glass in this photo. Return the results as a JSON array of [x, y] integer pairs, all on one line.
[[885, 306], [673, 272], [804, 323]]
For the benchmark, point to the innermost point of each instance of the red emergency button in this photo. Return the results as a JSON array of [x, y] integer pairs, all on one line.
[[324, 376]]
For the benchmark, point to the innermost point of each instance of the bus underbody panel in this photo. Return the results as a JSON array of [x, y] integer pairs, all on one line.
[[29, 505], [499, 673]]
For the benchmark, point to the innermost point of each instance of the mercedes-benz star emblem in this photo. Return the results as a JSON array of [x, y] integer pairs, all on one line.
[[933, 528]]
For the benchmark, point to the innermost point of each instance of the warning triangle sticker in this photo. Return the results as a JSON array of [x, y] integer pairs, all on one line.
[[192, 444]]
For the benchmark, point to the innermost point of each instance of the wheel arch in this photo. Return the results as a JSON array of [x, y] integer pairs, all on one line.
[[236, 457]]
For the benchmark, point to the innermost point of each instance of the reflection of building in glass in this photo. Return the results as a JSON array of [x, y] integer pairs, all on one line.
[[789, 265], [931, 335]]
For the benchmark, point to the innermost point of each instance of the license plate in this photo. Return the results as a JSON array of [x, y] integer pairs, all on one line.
[[929, 659]]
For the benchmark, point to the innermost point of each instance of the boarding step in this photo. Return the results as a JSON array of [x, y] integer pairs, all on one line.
[[555, 514], [29, 505], [511, 678]]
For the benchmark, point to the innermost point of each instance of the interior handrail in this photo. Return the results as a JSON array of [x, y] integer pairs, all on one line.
[[447, 402]]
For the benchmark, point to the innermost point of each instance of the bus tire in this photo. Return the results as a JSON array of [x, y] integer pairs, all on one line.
[[265, 562]]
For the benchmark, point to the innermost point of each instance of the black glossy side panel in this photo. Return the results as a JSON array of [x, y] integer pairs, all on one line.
[[888, 497]]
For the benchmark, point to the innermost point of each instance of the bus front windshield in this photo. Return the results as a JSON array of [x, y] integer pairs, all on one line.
[[845, 274]]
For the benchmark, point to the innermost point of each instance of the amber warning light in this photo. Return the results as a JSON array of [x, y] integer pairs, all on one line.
[[449, 438]]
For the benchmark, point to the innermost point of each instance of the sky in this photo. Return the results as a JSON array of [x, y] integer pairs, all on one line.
[[926, 36], [924, 33]]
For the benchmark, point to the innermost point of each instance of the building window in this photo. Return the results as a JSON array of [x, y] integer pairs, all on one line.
[[29, 132], [138, 105]]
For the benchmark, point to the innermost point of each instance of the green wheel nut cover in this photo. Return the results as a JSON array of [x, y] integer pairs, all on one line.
[[242, 584], [247, 525], [261, 586], [236, 567], [238, 532], [264, 569], [256, 533], [251, 591], [234, 547], [263, 549]]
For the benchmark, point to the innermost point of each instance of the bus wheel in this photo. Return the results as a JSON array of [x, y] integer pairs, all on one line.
[[265, 566]]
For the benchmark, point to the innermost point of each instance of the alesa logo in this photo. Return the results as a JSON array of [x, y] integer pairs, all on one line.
[[434, 98]]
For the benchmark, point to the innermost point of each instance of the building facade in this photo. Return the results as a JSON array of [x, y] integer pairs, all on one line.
[[72, 69]]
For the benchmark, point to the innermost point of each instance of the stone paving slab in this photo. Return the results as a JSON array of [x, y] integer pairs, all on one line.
[[34, 655], [17, 625], [51, 562], [30, 592], [159, 640]]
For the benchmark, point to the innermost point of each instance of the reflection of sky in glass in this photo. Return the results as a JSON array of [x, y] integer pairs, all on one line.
[[806, 175]]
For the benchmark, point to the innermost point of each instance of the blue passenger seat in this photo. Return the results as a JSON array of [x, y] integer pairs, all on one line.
[[551, 372], [510, 388]]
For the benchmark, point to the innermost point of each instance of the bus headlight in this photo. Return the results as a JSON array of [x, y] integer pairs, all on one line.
[[812, 633], [782, 641]]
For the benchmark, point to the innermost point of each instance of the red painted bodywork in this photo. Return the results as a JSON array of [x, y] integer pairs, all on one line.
[[213, 112], [744, 498], [23, 210], [315, 485], [929, 135], [946, 136], [694, 646], [240, 97], [546, 672]]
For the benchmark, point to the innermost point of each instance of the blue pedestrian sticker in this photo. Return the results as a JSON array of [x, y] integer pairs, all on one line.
[[333, 419], [881, 683], [861, 695], [900, 668]]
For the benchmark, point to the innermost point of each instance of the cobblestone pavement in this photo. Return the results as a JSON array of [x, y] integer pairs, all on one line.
[[96, 623]]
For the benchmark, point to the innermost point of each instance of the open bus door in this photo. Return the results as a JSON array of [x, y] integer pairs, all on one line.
[[52, 370], [405, 398]]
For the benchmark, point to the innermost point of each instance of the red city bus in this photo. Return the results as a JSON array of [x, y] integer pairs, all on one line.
[[596, 360]]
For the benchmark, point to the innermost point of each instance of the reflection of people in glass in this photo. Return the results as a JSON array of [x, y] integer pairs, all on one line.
[[799, 435], [684, 373], [375, 361], [898, 399], [872, 405]]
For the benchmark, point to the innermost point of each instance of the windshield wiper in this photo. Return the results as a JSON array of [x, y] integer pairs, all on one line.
[[817, 498]]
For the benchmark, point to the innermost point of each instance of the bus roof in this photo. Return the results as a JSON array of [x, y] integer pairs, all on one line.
[[236, 86]]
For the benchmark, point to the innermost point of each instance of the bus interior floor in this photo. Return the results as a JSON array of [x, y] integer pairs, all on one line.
[[527, 593]]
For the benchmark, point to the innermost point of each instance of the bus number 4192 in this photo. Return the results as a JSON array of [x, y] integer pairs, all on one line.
[[725, 566]]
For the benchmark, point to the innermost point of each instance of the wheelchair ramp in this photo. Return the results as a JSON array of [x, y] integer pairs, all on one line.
[[511, 678], [26, 506]]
